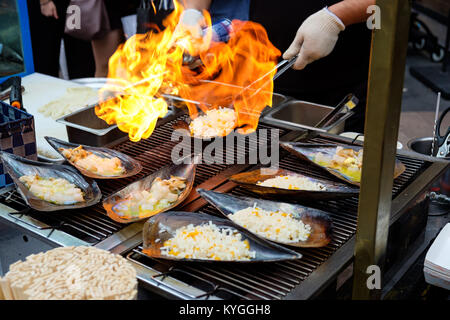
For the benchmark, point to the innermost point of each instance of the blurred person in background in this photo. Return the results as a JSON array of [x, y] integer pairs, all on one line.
[[84, 58], [330, 37], [47, 19], [105, 46]]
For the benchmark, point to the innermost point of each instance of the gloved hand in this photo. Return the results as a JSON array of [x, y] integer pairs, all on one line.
[[192, 22], [189, 31], [315, 38]]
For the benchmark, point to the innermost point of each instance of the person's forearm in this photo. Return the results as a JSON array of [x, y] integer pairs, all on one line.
[[351, 11], [199, 5]]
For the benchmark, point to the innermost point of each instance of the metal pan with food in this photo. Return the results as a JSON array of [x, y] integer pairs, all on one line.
[[283, 223], [96, 162], [190, 236], [161, 191], [50, 187], [215, 123], [344, 162], [285, 184]]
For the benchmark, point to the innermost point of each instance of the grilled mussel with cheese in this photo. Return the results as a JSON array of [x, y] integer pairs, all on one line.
[[93, 163], [54, 190], [162, 194]]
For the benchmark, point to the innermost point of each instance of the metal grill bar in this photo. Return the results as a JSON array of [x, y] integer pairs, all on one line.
[[229, 284], [240, 283]]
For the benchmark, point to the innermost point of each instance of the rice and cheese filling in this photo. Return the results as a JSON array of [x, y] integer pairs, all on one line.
[[54, 190], [93, 163], [347, 161], [208, 242], [215, 123], [162, 194], [292, 183], [274, 225]]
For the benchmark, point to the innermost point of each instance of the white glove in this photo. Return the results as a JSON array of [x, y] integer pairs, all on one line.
[[191, 21], [315, 38]]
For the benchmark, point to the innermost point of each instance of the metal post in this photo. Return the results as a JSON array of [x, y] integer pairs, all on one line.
[[387, 69]]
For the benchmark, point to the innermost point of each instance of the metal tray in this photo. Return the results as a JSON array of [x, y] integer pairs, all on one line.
[[84, 127], [277, 100], [297, 114]]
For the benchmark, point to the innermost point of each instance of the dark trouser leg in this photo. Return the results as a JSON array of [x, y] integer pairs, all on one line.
[[80, 60], [46, 34]]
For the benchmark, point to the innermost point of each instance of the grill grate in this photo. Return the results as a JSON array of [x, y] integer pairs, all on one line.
[[253, 281], [92, 225], [275, 280]]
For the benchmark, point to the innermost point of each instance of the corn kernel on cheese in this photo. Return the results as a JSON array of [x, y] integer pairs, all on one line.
[[208, 242], [70, 273], [274, 225]]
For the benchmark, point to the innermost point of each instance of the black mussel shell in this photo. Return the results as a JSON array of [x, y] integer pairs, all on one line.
[[309, 151], [17, 166], [320, 222], [184, 170], [131, 166], [163, 226], [249, 180]]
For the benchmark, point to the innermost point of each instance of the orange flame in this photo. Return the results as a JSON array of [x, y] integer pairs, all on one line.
[[150, 65]]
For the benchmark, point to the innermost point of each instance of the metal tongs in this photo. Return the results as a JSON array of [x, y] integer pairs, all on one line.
[[286, 63], [348, 103], [442, 143]]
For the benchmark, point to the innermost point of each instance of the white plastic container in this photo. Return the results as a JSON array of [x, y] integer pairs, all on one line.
[[437, 261]]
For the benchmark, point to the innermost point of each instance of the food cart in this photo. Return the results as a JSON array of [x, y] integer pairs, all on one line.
[[380, 225]]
